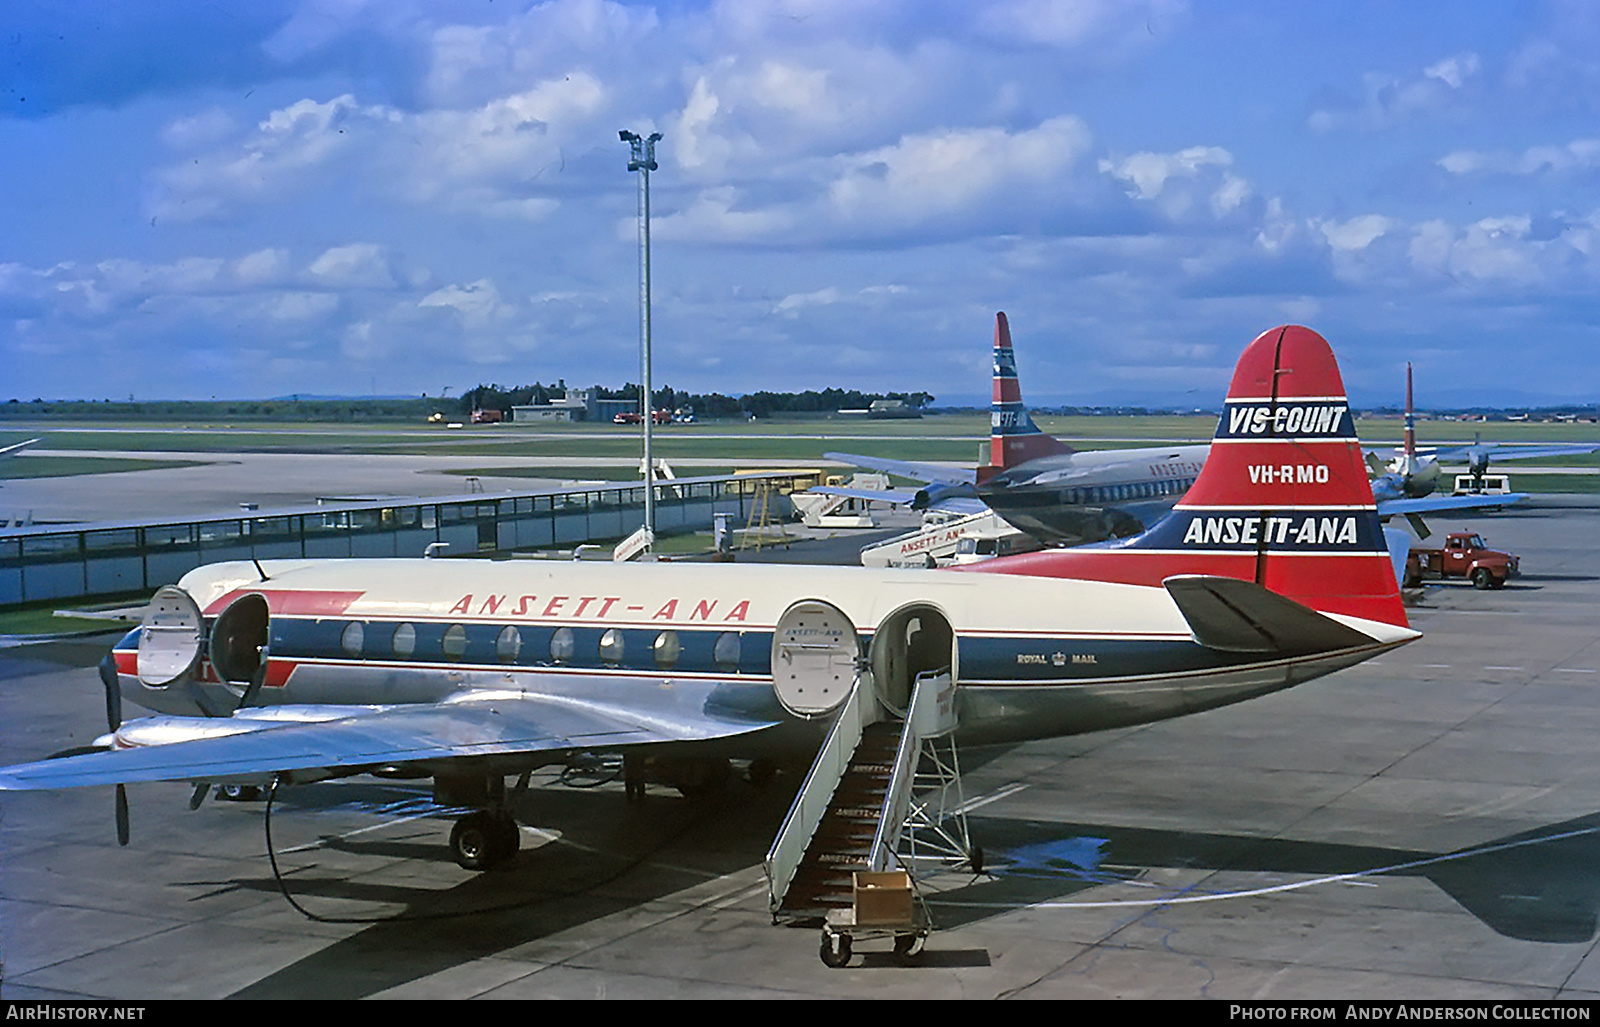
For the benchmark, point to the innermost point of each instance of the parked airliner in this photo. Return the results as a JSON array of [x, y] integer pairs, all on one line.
[[1038, 483], [1272, 571]]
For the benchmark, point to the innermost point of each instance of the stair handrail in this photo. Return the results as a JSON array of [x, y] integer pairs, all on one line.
[[859, 710], [931, 713]]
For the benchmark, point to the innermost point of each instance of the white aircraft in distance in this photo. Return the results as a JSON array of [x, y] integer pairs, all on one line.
[[1063, 497], [1271, 572], [1413, 474], [1038, 483]]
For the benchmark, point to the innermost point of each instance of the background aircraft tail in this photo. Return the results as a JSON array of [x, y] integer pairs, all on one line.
[[1013, 437], [1282, 501]]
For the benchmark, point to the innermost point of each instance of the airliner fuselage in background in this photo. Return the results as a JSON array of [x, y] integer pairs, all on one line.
[[1272, 571], [1039, 484]]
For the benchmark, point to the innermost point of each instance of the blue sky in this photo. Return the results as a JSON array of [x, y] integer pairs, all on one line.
[[394, 196]]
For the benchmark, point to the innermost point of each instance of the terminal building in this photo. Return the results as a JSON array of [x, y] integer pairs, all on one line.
[[73, 561], [576, 405]]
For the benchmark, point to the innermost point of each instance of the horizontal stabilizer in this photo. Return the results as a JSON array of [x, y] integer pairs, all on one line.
[[1242, 617]]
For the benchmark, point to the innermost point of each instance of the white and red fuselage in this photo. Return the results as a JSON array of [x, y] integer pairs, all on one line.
[[1044, 644]]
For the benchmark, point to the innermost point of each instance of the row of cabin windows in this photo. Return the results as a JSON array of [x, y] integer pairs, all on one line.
[[666, 648], [1142, 490]]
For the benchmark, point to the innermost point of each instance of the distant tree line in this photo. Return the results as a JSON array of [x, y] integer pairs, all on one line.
[[711, 405], [286, 409]]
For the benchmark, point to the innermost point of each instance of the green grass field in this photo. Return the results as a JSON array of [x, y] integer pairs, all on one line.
[[708, 447]]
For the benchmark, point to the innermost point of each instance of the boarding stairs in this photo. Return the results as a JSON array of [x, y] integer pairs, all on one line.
[[859, 807]]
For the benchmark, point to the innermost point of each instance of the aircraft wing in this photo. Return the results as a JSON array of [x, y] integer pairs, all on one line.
[[906, 497], [1484, 453], [15, 448], [478, 725], [943, 474], [1439, 504]]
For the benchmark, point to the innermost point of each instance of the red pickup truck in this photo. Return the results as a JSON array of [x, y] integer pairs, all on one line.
[[1464, 555]]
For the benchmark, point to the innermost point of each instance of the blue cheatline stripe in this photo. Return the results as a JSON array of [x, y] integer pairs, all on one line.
[[1011, 419], [1283, 531]]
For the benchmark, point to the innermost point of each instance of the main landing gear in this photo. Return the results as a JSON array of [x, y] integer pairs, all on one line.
[[485, 839], [489, 836]]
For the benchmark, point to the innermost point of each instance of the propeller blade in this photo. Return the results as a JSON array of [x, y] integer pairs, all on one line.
[[257, 679], [199, 795], [108, 677], [122, 814]]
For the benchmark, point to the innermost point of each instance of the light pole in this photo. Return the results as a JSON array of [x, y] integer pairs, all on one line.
[[644, 162]]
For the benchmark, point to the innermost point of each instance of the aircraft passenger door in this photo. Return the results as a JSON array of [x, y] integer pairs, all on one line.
[[815, 657]]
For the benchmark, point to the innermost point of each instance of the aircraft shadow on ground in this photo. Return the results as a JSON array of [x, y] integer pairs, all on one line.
[[621, 856], [1541, 885]]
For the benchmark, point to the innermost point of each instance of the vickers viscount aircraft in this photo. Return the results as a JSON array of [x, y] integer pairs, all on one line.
[[1038, 483], [1271, 572], [1413, 473]]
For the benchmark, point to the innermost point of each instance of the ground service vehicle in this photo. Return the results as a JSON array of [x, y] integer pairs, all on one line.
[[1482, 485], [1464, 555]]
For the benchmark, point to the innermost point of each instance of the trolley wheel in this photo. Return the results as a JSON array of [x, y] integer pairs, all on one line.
[[907, 947], [835, 949]]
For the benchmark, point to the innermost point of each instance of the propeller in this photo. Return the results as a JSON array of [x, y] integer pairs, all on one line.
[[257, 679], [108, 677]]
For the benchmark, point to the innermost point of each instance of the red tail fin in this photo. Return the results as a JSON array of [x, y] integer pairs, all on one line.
[[1283, 499], [1013, 437]]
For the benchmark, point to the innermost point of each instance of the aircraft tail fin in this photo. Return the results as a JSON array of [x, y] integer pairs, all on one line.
[[1013, 437], [1282, 501], [1411, 421]]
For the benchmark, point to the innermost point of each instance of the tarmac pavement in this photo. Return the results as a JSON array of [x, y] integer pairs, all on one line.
[[1422, 826]]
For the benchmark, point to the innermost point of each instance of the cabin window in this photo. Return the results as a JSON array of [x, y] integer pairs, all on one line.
[[726, 652], [667, 650], [355, 634], [561, 645], [611, 646], [405, 640], [508, 645], [455, 642]]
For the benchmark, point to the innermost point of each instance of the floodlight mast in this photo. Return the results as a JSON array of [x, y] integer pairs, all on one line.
[[644, 162]]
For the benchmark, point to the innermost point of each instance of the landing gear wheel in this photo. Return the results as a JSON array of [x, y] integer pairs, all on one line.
[[482, 840], [238, 793], [762, 772], [701, 779], [510, 836], [1481, 579], [907, 947], [835, 949]]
